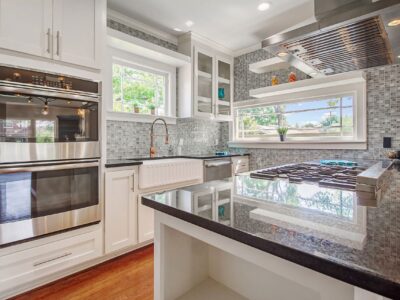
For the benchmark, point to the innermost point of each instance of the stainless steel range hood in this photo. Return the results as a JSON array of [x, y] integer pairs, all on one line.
[[347, 35]]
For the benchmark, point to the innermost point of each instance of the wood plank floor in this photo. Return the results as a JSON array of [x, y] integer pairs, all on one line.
[[127, 277]]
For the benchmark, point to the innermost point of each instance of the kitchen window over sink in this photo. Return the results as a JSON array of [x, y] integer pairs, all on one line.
[[321, 113]]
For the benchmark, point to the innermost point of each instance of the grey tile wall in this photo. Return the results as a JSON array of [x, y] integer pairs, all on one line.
[[132, 139], [383, 105], [141, 35]]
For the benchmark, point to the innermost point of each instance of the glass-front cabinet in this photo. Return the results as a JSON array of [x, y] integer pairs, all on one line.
[[212, 85]]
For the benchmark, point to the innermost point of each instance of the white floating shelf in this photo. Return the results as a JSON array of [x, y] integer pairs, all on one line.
[[269, 65], [309, 84], [211, 289], [204, 99], [223, 80], [204, 74], [125, 42], [224, 201]]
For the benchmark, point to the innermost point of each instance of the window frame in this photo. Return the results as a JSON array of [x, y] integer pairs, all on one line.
[[357, 141], [130, 60]]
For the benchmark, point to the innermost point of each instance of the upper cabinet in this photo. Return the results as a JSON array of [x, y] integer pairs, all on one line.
[[62, 30], [206, 86], [26, 26]]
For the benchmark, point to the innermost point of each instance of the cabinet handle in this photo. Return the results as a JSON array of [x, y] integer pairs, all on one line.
[[133, 182], [58, 43], [48, 40], [51, 259]]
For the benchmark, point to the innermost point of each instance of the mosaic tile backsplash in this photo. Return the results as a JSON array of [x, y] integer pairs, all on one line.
[[132, 139], [383, 106]]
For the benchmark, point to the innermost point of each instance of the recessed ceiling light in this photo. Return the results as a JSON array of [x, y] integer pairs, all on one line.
[[263, 6], [189, 23], [282, 54], [177, 29], [394, 22]]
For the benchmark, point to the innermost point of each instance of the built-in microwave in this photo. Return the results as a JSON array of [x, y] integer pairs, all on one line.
[[47, 116], [42, 198]]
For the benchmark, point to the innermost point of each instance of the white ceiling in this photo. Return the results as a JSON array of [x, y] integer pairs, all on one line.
[[236, 24]]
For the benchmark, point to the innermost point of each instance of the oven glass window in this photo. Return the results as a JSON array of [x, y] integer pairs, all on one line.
[[27, 195], [43, 120]]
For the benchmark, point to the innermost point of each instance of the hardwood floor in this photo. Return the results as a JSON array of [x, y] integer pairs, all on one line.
[[127, 277]]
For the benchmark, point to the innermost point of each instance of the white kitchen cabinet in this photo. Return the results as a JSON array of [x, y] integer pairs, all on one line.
[[240, 164], [120, 209], [207, 85], [145, 222], [76, 31], [61, 30], [26, 26], [23, 267]]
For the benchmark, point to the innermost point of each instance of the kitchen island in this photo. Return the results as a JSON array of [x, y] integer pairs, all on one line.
[[247, 238]]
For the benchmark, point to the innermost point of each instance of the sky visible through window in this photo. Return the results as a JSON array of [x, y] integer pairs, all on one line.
[[310, 118]]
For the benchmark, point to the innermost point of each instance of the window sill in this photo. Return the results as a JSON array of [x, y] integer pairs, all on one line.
[[311, 145], [134, 117]]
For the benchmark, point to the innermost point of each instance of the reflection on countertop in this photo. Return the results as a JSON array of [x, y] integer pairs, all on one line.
[[315, 222]]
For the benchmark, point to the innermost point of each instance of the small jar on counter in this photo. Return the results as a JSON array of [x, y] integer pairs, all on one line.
[[292, 77], [274, 80]]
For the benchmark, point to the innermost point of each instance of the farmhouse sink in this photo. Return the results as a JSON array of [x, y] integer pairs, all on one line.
[[169, 171]]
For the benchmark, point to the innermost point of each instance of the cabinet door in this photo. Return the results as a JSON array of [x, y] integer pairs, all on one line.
[[25, 26], [224, 89], [146, 222], [120, 210], [204, 83], [76, 31]]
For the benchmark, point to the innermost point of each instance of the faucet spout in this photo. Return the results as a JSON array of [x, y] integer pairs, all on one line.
[[152, 147]]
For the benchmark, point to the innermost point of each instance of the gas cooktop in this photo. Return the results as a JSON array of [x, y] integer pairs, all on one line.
[[365, 178], [325, 175]]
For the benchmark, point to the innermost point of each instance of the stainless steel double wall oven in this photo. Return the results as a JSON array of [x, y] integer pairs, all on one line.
[[49, 154]]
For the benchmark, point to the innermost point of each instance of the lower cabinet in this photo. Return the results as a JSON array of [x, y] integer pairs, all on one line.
[[25, 266], [145, 222], [120, 209]]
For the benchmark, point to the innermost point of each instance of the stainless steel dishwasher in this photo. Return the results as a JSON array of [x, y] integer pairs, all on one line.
[[217, 168]]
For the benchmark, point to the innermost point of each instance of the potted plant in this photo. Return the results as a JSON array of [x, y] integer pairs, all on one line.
[[136, 107], [152, 108], [282, 132]]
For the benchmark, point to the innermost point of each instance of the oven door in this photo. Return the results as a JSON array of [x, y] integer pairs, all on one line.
[[36, 128], [39, 199]]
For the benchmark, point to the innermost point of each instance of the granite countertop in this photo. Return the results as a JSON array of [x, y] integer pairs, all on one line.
[[112, 163], [323, 229]]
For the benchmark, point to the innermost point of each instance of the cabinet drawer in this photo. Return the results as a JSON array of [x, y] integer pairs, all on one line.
[[27, 265]]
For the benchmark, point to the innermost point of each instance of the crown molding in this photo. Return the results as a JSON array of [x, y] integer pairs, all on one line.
[[246, 50], [128, 21], [205, 40]]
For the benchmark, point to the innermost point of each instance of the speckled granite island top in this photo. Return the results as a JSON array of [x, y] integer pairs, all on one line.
[[323, 229]]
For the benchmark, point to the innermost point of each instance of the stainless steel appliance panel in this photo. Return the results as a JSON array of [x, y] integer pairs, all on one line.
[[24, 152], [219, 168], [42, 198]]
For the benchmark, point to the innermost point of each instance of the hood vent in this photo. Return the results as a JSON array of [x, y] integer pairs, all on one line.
[[352, 47], [344, 39]]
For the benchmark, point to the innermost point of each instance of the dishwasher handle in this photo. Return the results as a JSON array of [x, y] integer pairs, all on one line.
[[209, 164]]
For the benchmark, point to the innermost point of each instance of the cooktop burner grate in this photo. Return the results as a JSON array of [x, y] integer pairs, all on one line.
[[333, 176]]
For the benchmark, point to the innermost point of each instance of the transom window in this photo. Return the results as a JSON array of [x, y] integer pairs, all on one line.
[[139, 90], [328, 117]]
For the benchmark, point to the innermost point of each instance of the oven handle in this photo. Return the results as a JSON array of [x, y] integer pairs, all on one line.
[[48, 168]]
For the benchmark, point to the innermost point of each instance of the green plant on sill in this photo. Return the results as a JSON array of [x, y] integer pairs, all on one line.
[[151, 106], [136, 104], [282, 130]]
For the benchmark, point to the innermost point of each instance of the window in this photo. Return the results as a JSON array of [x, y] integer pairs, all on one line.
[[139, 90], [330, 117]]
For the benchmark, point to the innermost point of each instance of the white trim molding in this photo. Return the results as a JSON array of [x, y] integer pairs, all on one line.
[[134, 117], [321, 145]]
